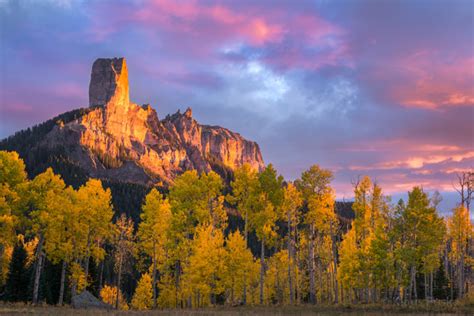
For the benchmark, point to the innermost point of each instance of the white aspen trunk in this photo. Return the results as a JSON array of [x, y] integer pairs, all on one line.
[[154, 274], [312, 290], [290, 281], [262, 268], [63, 279], [38, 270]]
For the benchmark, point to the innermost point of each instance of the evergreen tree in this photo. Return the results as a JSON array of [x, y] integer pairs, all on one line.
[[18, 276]]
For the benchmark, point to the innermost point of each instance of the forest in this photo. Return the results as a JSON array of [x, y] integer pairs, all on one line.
[[255, 240]]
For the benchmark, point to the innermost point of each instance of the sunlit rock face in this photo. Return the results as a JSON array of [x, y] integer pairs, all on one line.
[[121, 140], [109, 82]]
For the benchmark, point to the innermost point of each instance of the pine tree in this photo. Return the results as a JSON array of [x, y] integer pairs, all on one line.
[[18, 276]]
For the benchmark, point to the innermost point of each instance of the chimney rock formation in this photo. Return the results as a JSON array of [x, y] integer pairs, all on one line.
[[109, 82], [116, 139]]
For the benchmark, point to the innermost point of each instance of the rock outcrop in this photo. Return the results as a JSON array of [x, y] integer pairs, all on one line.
[[117, 139], [86, 300], [109, 82]]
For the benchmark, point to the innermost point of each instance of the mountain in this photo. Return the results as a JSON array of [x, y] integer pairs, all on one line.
[[117, 140]]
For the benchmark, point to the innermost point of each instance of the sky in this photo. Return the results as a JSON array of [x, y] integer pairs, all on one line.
[[378, 88]]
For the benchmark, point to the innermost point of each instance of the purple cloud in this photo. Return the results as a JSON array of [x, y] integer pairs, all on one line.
[[361, 87]]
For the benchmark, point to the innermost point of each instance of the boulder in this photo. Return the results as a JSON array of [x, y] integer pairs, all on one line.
[[87, 300]]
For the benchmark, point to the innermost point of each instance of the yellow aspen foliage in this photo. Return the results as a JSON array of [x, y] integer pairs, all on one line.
[[156, 217], [65, 237], [95, 204], [276, 279], [12, 192], [4, 263], [203, 272], [244, 185], [292, 201], [349, 266], [239, 267], [460, 231], [143, 296], [109, 293], [302, 270], [169, 296], [30, 247], [78, 277], [153, 232]]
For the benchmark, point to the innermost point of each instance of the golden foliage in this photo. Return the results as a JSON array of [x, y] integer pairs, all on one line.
[[108, 294], [143, 296]]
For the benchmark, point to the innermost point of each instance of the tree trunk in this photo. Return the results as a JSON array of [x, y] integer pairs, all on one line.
[[461, 274], [451, 276], [426, 286], [411, 284], [177, 280], [232, 292], [63, 279], [415, 291], [312, 295], [119, 276], [244, 298], [86, 269], [262, 268], [38, 269], [86, 261], [154, 274], [431, 285], [320, 277], [297, 267], [290, 280], [334, 258], [101, 274]]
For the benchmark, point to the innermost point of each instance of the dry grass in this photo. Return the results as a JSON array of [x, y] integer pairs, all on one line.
[[439, 308]]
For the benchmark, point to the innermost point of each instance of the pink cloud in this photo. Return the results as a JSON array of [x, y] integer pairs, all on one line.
[[69, 90], [434, 82], [208, 21], [399, 164], [16, 108], [204, 29]]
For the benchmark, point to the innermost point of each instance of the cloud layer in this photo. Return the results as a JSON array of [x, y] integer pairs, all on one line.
[[385, 90]]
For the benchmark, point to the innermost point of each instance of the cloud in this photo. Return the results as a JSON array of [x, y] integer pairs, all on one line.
[[64, 4], [383, 90], [435, 82]]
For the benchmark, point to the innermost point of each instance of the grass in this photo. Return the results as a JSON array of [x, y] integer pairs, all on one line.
[[439, 308]]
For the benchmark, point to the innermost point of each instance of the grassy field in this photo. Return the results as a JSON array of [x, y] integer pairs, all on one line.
[[367, 310]]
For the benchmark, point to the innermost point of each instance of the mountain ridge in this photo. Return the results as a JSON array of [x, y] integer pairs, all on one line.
[[116, 139]]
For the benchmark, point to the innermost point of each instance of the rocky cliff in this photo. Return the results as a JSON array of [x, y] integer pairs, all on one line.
[[119, 140]]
